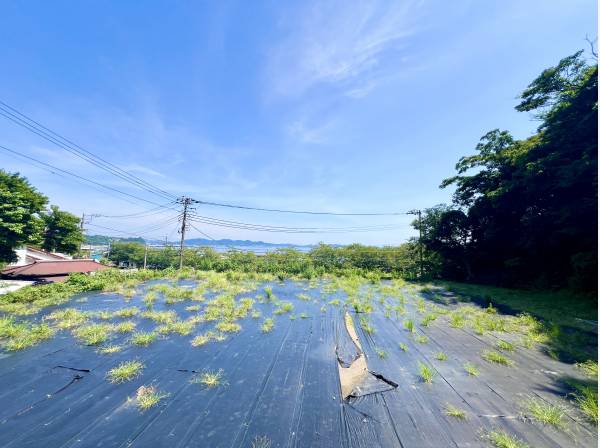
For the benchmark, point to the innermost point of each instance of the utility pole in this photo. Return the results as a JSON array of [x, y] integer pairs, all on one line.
[[82, 229], [145, 254], [418, 213], [186, 204]]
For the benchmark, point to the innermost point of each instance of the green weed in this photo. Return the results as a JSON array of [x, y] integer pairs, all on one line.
[[126, 371], [495, 357], [426, 373], [143, 339]]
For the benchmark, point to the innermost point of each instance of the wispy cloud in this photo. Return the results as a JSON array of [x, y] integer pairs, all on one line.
[[339, 43]]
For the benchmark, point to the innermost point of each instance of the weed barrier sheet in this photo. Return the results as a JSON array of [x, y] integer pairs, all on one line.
[[280, 387]]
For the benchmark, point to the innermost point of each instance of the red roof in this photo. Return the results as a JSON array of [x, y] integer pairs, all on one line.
[[52, 268]]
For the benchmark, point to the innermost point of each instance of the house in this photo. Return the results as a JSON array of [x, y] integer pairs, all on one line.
[[50, 271], [29, 254]]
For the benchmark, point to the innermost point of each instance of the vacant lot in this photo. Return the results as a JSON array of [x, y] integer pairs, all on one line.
[[233, 361]]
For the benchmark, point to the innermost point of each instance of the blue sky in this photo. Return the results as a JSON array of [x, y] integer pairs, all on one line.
[[331, 105]]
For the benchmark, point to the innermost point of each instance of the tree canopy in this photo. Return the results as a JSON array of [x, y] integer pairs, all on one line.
[[525, 211], [21, 207], [62, 231]]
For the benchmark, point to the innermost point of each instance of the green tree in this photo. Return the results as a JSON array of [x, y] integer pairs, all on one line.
[[525, 211], [62, 232], [21, 206]]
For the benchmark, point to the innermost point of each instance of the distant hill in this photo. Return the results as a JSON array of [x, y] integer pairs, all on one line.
[[103, 239], [237, 243]]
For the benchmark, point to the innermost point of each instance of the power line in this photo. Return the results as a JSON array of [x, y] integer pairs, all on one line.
[[282, 229], [33, 126], [77, 176], [266, 226], [299, 212]]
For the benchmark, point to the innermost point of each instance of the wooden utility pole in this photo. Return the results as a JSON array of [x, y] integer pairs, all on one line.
[[145, 254], [186, 203], [82, 230]]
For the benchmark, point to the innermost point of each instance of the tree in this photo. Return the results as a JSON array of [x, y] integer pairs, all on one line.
[[525, 211], [62, 232], [21, 206]]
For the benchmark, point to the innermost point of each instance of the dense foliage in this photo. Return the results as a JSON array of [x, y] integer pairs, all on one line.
[[525, 211], [21, 207], [62, 232], [24, 220], [392, 261]]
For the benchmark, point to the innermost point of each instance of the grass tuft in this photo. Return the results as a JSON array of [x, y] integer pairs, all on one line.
[[261, 442], [110, 349], [441, 356], [126, 371], [409, 325], [210, 379], [496, 358], [403, 346], [143, 339], [381, 352], [589, 368], [471, 369], [93, 334], [147, 397], [500, 439], [421, 339], [453, 411], [504, 345], [544, 412], [426, 373], [267, 325]]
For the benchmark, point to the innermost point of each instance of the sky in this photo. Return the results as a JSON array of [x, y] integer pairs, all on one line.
[[343, 106]]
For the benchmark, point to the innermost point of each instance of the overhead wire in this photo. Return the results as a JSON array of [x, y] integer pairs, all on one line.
[[48, 134], [33, 159]]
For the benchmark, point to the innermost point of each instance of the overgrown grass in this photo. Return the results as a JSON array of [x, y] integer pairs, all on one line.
[[496, 358], [501, 439], [126, 371], [21, 335], [453, 411], [544, 412], [571, 314], [403, 346], [409, 325], [228, 327]]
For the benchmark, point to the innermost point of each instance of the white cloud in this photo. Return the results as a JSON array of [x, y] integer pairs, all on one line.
[[339, 43]]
